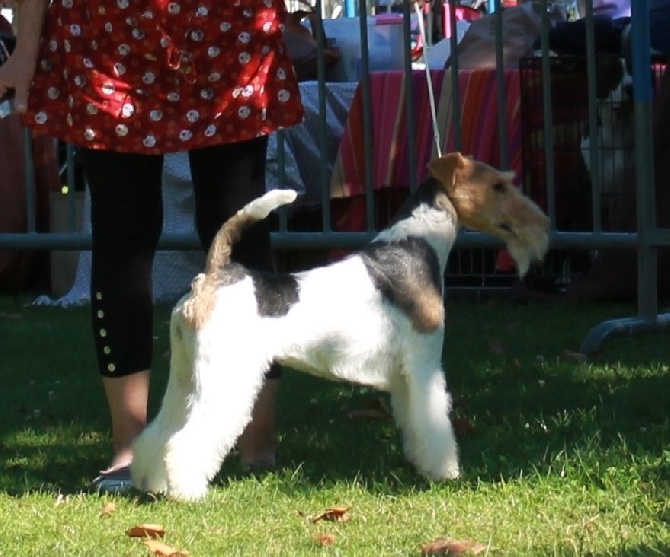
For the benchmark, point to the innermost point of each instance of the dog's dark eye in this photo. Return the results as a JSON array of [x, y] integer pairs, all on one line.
[[499, 187]]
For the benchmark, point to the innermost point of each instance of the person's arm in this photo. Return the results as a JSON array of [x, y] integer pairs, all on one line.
[[17, 73]]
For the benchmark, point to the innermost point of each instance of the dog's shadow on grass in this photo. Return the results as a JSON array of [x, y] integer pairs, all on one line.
[[513, 419], [333, 432]]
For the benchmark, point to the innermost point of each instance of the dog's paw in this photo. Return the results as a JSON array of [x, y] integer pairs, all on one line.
[[151, 481], [190, 492], [438, 465], [452, 473], [448, 471], [442, 476]]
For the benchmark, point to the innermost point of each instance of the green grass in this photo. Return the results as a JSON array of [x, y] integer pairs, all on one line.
[[559, 456]]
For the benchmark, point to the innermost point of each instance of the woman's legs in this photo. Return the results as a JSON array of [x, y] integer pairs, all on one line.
[[258, 442], [225, 178], [126, 218]]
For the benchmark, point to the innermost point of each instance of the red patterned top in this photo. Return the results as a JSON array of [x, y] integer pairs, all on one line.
[[159, 76]]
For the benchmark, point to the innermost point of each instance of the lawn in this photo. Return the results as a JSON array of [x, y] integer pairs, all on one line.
[[560, 456]]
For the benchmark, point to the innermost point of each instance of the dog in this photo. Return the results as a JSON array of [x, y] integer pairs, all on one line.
[[616, 144], [375, 318]]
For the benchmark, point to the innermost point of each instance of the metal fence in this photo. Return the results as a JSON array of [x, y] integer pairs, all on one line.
[[544, 136]]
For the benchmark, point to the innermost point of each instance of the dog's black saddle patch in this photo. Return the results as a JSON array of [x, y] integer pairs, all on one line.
[[401, 269], [275, 293]]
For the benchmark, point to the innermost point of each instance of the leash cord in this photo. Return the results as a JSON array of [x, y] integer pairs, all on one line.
[[429, 81]]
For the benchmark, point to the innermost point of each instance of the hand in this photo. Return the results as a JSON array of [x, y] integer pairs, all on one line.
[[17, 75]]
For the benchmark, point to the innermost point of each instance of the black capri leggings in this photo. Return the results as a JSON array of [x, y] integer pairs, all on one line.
[[127, 219]]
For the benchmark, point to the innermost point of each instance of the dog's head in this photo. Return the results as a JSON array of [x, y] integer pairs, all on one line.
[[486, 200]]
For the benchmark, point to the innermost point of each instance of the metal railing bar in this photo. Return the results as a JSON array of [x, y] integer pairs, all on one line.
[[648, 320], [31, 190], [500, 83], [409, 97], [548, 114], [368, 145], [323, 239], [595, 160]]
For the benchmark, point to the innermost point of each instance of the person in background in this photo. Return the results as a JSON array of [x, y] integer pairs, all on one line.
[[128, 82]]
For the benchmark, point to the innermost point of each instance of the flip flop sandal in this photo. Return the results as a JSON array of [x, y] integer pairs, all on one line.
[[114, 482]]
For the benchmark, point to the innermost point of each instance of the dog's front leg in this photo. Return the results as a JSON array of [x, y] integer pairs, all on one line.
[[149, 450], [429, 436], [148, 468], [400, 404]]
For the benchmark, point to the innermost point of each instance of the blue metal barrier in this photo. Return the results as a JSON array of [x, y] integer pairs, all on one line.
[[646, 240]]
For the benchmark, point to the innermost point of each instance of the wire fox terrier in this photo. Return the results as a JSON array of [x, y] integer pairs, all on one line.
[[375, 318]]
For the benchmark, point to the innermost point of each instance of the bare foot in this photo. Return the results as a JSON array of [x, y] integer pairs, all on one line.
[[127, 400]]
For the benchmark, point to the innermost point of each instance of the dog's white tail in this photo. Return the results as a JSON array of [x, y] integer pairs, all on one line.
[[231, 231]]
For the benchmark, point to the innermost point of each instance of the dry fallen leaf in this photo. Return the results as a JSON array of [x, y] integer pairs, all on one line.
[[325, 539], [146, 531], [334, 514], [108, 509], [164, 550], [454, 548]]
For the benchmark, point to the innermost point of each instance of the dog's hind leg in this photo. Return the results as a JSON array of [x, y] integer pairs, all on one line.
[[218, 408], [430, 441]]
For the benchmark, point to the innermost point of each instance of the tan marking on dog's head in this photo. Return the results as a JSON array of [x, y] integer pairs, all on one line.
[[486, 200]]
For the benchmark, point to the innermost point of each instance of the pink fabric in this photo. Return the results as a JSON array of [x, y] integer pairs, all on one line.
[[390, 157], [480, 134], [462, 13], [478, 91]]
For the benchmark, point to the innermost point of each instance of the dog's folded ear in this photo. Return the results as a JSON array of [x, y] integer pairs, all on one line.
[[445, 167]]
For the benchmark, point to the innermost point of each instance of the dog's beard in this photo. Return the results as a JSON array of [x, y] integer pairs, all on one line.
[[525, 249]]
